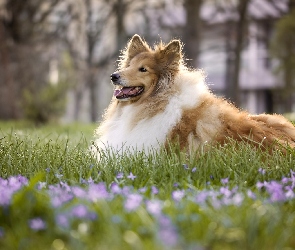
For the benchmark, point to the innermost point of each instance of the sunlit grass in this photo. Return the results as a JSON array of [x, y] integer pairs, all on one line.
[[221, 198]]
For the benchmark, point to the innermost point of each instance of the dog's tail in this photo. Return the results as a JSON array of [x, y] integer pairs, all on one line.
[[279, 126]]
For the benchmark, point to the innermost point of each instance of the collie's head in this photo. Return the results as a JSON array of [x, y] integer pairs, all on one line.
[[144, 71]]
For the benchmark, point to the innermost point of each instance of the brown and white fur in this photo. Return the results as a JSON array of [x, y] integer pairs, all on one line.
[[158, 100]]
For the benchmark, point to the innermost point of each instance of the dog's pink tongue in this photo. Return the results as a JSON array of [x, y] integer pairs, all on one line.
[[123, 91], [117, 92]]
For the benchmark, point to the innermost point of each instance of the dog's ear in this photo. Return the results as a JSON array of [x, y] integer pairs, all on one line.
[[136, 46], [169, 57], [172, 52]]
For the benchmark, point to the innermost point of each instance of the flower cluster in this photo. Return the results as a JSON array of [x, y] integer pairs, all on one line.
[[73, 202], [9, 186]]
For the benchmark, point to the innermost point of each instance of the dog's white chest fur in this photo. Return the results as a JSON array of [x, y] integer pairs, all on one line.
[[146, 134]]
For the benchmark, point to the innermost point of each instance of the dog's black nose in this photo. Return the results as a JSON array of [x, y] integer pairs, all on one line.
[[115, 77]]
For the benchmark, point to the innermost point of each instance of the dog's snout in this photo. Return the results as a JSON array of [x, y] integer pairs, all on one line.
[[115, 77]]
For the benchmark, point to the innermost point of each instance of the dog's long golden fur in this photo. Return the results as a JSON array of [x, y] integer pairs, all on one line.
[[157, 100]]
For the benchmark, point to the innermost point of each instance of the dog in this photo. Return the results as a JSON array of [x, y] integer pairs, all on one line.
[[158, 100]]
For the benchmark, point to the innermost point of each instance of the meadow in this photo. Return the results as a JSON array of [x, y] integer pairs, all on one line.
[[55, 195]]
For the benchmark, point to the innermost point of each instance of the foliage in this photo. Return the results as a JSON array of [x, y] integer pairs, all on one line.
[[55, 195], [283, 49], [45, 103]]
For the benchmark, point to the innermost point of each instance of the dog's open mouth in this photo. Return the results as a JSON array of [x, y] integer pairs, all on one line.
[[127, 92]]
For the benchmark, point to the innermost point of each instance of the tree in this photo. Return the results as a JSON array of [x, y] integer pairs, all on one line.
[[283, 49], [24, 33], [235, 44], [192, 30]]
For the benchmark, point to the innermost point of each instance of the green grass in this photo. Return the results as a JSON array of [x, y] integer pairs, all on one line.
[[59, 154]]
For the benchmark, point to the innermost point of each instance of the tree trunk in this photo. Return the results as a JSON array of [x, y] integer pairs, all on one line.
[[291, 5], [8, 84], [120, 10], [93, 96], [192, 31], [288, 74], [233, 81], [90, 78]]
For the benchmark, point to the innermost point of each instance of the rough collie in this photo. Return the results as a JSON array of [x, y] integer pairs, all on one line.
[[158, 100]]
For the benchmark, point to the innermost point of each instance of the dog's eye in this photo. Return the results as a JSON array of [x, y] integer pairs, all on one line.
[[142, 69]]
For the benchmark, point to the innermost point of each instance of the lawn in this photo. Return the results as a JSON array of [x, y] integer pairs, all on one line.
[[55, 195]]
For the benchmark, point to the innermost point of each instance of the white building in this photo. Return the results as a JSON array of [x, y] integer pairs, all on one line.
[[257, 77]]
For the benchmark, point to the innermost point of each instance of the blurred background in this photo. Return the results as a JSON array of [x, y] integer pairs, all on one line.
[[56, 56]]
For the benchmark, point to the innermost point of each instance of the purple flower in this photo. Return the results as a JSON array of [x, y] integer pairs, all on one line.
[[97, 191], [168, 236], [23, 180], [37, 224], [194, 169], [78, 192], [80, 211], [260, 185], [120, 175], [57, 201], [237, 199], [154, 207], [290, 193], [154, 190], [115, 188], [167, 232], [185, 166], [224, 181], [201, 197], [142, 190], [16, 182], [133, 202], [292, 179], [5, 196], [217, 204], [126, 190], [131, 176], [177, 195], [62, 220], [59, 196], [251, 195], [275, 190], [164, 221], [65, 186], [285, 180], [9, 187], [3, 182], [261, 171], [225, 191], [83, 181], [90, 180]]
